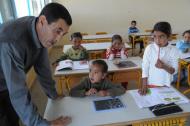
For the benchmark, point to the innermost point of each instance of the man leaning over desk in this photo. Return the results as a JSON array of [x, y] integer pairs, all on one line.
[[23, 44]]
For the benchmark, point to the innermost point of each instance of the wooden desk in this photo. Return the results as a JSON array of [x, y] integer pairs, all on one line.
[[133, 35], [103, 36], [83, 113], [70, 77], [94, 46]]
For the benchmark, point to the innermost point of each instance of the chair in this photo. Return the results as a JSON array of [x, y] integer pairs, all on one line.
[[188, 80], [173, 37], [101, 33], [148, 30], [97, 54], [147, 40], [73, 81], [125, 76], [84, 33], [181, 65]]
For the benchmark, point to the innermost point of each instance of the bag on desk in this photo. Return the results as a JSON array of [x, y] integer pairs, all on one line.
[[163, 109]]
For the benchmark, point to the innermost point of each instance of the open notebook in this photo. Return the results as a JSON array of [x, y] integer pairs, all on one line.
[[72, 65], [159, 95]]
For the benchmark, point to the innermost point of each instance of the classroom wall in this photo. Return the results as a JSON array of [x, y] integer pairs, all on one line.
[[114, 16]]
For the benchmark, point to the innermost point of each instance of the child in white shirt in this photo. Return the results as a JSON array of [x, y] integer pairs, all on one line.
[[160, 59]]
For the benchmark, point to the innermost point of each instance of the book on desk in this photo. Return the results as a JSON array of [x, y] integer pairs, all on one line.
[[72, 65]]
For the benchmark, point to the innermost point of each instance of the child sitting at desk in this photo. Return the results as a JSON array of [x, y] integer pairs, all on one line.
[[77, 51], [160, 59], [183, 46], [117, 49], [97, 83], [133, 29]]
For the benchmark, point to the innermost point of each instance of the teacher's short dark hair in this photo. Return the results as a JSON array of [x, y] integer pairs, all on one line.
[[55, 11]]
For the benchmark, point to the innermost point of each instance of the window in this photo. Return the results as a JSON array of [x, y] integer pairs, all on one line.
[[31, 7], [6, 10], [12, 9]]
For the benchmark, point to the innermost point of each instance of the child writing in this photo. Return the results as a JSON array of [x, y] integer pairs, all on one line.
[[160, 59], [133, 29], [77, 51], [96, 83], [117, 49]]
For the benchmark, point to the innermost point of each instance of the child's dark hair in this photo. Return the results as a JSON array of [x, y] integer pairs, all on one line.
[[164, 27], [116, 37], [76, 35], [188, 31], [133, 21], [102, 64]]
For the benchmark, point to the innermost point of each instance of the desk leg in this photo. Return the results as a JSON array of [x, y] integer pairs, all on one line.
[[133, 44], [59, 86], [188, 79], [179, 75]]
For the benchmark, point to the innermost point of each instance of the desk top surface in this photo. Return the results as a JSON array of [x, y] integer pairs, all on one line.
[[145, 34], [94, 46], [83, 112], [111, 67], [141, 34], [85, 37]]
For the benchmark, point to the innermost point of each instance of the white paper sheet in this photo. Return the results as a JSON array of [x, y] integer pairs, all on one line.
[[158, 96]]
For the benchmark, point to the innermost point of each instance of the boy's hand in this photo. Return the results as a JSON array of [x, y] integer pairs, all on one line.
[[159, 64], [61, 121], [143, 90], [103, 93], [92, 91]]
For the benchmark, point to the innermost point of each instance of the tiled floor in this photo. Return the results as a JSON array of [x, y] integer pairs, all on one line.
[[40, 99]]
